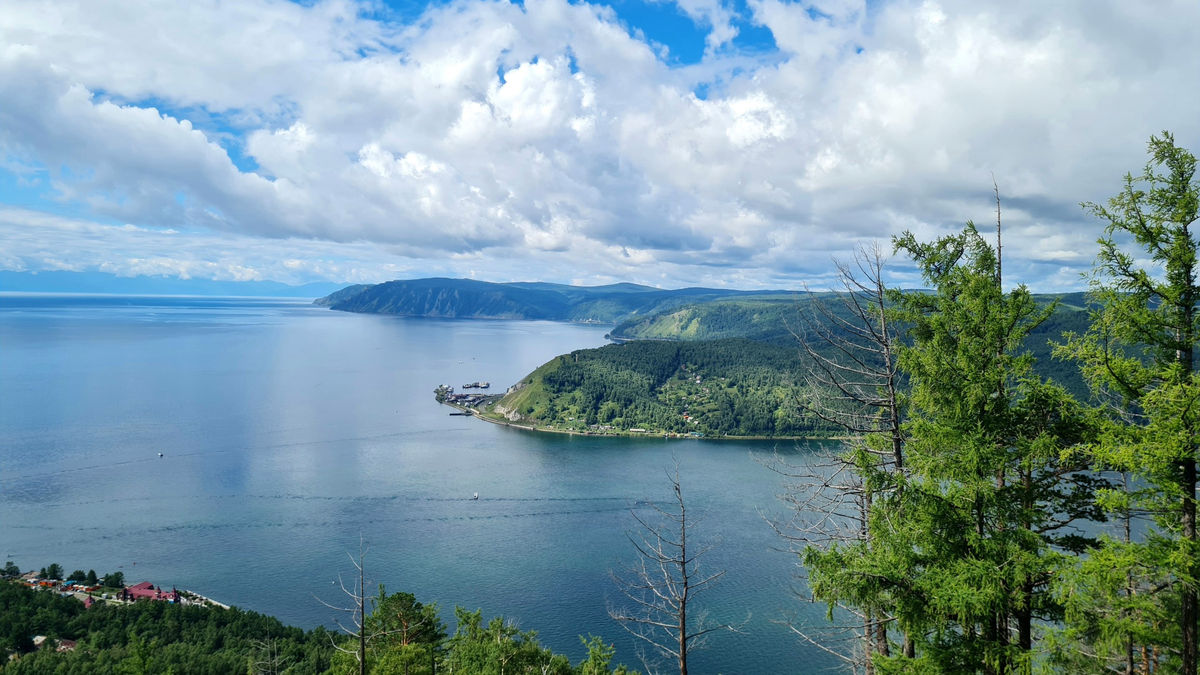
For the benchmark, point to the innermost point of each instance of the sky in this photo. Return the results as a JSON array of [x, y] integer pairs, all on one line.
[[721, 143]]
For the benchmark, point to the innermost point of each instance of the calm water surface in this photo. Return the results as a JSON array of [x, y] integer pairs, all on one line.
[[287, 430]]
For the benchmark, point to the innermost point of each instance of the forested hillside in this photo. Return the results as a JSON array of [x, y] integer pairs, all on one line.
[[723, 368], [714, 388], [147, 637], [158, 637], [778, 318], [782, 320], [763, 319], [470, 299]]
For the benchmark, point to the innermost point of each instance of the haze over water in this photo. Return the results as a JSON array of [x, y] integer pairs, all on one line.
[[287, 430]]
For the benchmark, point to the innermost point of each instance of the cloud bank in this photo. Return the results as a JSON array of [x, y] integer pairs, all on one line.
[[551, 140]]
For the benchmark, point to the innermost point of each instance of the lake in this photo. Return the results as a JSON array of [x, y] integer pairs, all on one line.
[[287, 431]]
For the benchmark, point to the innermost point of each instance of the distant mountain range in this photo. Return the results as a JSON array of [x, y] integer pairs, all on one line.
[[636, 312], [469, 299], [101, 283]]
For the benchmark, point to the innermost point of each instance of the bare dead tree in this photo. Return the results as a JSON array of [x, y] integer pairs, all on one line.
[[269, 661], [662, 586], [826, 506], [852, 381], [356, 625], [849, 343], [357, 611]]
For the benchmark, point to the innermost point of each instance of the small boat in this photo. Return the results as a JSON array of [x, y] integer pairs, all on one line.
[[475, 496], [160, 454]]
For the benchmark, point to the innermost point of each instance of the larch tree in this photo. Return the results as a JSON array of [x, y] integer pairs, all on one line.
[[408, 634], [991, 504], [966, 540], [1141, 350]]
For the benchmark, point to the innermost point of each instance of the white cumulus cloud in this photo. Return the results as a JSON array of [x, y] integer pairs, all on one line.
[[550, 140]]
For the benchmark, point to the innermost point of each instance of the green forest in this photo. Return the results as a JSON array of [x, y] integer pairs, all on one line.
[[999, 523], [728, 368], [711, 388], [403, 636]]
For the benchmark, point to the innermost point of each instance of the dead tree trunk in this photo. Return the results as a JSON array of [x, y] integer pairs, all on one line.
[[852, 382], [661, 587]]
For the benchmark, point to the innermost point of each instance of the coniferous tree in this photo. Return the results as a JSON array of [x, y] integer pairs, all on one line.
[[965, 541], [991, 502], [1140, 354]]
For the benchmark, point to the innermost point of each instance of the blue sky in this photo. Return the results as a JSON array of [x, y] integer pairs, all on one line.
[[694, 142]]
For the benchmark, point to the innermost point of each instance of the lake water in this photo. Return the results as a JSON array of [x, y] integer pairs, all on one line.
[[289, 430]]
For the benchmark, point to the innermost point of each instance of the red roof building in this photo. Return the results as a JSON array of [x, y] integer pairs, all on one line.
[[147, 591]]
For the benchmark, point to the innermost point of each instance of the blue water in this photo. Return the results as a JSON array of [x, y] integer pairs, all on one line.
[[288, 431]]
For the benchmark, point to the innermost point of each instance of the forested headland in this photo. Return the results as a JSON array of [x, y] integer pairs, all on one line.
[[713, 388], [725, 368]]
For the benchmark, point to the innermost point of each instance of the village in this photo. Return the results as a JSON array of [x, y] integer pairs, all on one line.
[[92, 590]]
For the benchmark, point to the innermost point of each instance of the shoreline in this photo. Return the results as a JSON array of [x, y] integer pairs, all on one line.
[[204, 600], [665, 435], [111, 595]]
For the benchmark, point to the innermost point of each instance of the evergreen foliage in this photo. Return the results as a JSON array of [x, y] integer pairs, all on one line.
[[966, 539], [147, 636], [972, 549], [1139, 356]]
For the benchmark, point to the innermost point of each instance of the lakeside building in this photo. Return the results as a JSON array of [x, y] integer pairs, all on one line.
[[147, 591]]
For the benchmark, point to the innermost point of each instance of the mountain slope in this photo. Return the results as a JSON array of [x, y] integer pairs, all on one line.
[[451, 298], [709, 388], [765, 320], [729, 367], [467, 298]]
